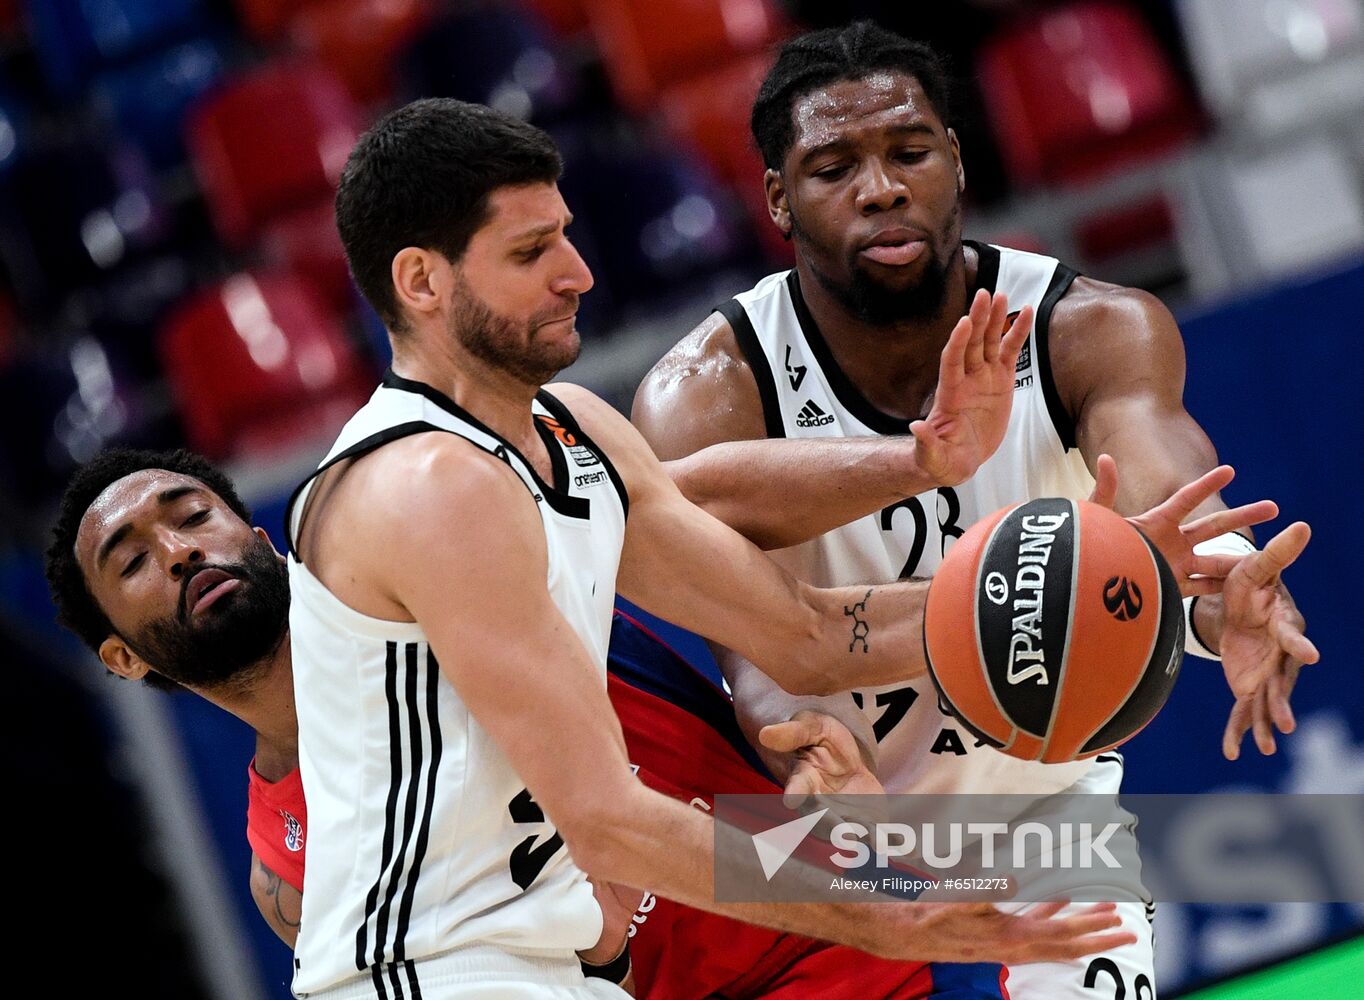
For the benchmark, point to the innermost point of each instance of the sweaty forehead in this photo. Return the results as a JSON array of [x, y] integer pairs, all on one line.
[[124, 500], [880, 99]]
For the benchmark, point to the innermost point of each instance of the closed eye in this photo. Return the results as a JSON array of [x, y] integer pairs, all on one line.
[[133, 564], [198, 517], [911, 155], [832, 173]]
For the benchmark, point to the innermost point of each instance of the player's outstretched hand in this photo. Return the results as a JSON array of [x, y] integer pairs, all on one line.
[[975, 391], [828, 759], [980, 932], [1163, 525], [1263, 645]]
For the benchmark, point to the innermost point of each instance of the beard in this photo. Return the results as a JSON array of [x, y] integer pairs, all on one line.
[[231, 638], [864, 295], [509, 346]]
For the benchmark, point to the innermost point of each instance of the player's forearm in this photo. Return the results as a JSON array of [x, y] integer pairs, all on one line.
[[780, 493], [865, 636], [651, 842]]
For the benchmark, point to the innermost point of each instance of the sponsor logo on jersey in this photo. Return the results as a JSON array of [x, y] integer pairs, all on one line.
[[1027, 655], [561, 432], [796, 374], [589, 478], [811, 415], [293, 831], [583, 456], [1122, 598]]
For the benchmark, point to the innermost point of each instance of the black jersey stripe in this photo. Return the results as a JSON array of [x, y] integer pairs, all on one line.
[[847, 394], [396, 982], [737, 318], [1061, 281], [413, 985], [376, 974], [431, 709], [395, 757], [383, 950]]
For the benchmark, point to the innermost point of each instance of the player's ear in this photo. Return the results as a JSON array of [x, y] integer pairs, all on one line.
[[956, 160], [417, 279], [115, 654], [777, 206], [264, 536]]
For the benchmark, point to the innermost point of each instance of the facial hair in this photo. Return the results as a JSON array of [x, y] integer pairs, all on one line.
[[875, 304], [509, 346], [223, 645]]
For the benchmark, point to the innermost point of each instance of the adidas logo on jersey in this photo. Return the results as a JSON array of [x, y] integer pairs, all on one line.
[[811, 415]]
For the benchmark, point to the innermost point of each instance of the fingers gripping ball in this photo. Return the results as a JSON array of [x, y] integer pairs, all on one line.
[[1054, 630]]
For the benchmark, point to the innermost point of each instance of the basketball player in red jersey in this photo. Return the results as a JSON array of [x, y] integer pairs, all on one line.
[[865, 176]]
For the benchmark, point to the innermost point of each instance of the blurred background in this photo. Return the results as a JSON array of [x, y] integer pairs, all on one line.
[[170, 274]]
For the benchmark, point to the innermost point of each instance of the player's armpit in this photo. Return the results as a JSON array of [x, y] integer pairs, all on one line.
[[279, 903]]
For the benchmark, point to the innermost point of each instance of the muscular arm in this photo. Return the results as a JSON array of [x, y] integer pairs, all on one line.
[[455, 576], [279, 903]]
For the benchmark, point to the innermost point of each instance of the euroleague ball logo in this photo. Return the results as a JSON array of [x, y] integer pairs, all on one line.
[[1122, 598]]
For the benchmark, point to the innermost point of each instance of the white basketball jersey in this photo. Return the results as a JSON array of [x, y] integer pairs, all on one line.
[[422, 837], [805, 394]]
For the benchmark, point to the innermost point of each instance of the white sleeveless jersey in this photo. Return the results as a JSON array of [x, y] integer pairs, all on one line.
[[805, 394], [422, 837]]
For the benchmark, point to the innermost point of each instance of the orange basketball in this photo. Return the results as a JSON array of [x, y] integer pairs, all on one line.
[[1054, 630]]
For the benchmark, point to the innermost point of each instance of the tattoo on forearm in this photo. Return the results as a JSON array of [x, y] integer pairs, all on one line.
[[860, 630]]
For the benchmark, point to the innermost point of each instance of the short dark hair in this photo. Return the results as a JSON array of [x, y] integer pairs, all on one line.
[[421, 177], [77, 608], [813, 60]]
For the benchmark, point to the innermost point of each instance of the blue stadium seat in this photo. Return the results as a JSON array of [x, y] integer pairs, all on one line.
[[146, 100], [503, 58], [75, 39]]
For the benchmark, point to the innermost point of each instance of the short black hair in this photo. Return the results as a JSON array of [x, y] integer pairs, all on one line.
[[818, 58], [77, 608], [421, 177]]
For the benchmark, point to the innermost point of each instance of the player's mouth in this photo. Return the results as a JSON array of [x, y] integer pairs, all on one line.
[[206, 587], [895, 246]]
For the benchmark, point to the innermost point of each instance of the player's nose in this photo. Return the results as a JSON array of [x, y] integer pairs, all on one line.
[[178, 553], [880, 189], [575, 277]]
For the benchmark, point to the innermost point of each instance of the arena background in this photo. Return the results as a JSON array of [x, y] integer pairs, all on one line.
[[169, 274]]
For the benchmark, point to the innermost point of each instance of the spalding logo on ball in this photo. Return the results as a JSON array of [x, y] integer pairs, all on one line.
[[1054, 630]]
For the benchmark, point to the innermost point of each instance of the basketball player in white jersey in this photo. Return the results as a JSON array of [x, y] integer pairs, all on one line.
[[452, 568], [866, 178]]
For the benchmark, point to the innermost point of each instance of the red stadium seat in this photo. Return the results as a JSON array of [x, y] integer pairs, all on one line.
[[711, 113], [305, 242], [270, 143], [647, 46], [564, 17], [267, 19], [358, 39], [257, 363], [1079, 90]]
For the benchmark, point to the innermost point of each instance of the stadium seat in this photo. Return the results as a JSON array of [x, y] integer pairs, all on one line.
[[75, 39], [646, 46], [358, 40], [1079, 90], [146, 101], [75, 212], [502, 58], [257, 363], [564, 17], [266, 20], [710, 113], [1277, 63], [269, 143], [305, 241], [657, 219]]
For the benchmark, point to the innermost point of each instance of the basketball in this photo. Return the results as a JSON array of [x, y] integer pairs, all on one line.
[[1054, 630]]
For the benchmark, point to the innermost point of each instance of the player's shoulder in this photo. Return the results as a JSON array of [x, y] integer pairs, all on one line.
[[708, 354], [1090, 304]]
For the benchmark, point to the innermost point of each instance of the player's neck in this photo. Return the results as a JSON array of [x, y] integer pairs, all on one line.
[[266, 704], [894, 366], [497, 398]]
